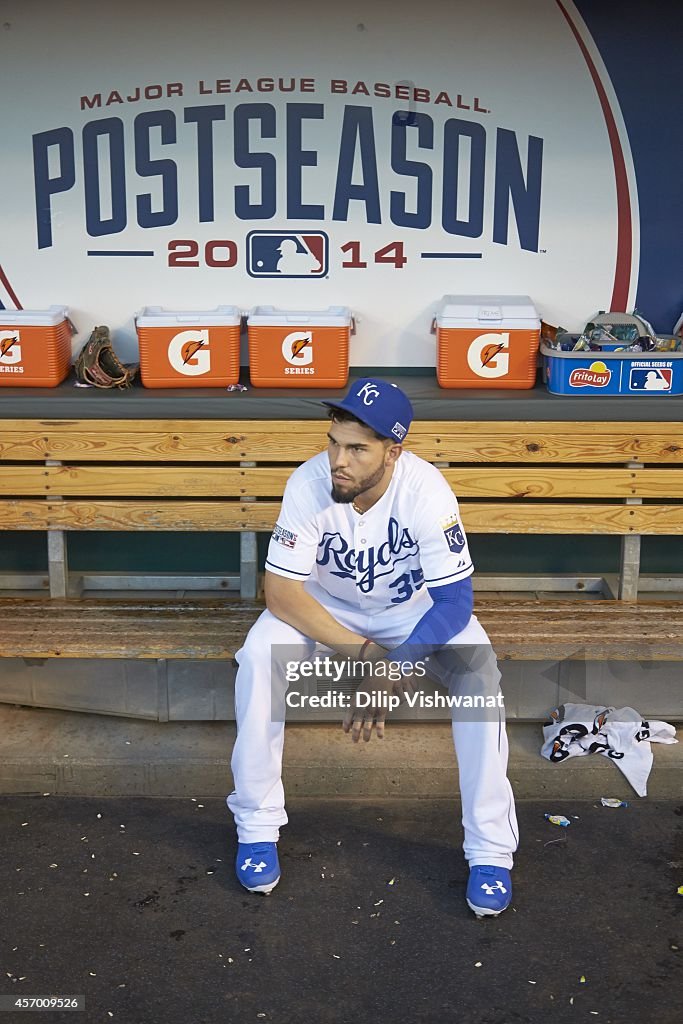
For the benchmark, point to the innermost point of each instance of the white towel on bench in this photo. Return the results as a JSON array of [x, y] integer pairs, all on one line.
[[620, 734]]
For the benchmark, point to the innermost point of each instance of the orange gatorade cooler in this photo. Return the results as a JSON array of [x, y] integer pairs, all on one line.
[[184, 348], [35, 347], [487, 341], [299, 348]]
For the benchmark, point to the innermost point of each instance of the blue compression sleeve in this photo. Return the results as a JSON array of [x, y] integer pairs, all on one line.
[[449, 614]]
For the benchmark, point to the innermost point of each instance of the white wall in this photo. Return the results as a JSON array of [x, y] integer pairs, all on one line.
[[513, 70]]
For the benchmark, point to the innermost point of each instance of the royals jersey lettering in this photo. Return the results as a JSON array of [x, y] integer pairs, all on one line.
[[410, 539]]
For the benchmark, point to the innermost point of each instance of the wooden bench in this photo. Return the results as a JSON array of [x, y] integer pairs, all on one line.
[[520, 628], [593, 478]]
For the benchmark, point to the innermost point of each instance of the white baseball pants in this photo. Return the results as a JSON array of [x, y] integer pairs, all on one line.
[[258, 800]]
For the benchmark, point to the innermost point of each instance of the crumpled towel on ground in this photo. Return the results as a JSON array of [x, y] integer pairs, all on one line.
[[620, 734]]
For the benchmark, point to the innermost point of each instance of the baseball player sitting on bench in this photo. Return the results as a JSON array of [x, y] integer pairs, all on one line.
[[368, 556]]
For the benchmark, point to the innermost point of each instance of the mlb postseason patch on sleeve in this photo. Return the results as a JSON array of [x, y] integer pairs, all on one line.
[[452, 531], [285, 537]]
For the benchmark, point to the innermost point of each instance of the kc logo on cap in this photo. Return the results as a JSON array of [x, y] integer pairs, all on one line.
[[369, 392], [380, 405]]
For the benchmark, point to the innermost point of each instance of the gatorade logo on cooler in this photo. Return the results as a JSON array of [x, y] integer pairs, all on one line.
[[297, 349], [595, 376], [188, 353], [488, 354], [10, 349]]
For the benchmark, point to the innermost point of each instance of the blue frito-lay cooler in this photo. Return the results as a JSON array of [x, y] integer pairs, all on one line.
[[612, 373]]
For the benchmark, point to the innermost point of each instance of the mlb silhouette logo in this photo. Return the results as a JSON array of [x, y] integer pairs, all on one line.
[[287, 254], [654, 378]]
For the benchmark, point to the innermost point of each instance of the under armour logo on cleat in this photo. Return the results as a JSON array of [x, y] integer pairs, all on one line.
[[258, 868], [490, 889]]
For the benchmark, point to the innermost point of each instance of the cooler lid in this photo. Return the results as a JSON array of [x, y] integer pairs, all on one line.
[[157, 316], [34, 317], [485, 309], [270, 316]]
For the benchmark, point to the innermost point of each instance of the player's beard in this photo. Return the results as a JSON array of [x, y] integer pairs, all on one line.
[[346, 497]]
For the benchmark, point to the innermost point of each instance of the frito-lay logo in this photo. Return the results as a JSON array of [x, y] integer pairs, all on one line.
[[595, 376]]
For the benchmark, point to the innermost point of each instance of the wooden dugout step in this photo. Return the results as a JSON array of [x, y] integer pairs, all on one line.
[[520, 629]]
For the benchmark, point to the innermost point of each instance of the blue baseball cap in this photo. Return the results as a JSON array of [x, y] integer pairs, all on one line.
[[380, 405]]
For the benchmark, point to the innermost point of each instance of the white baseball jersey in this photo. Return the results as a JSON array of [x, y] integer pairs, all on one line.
[[411, 538]]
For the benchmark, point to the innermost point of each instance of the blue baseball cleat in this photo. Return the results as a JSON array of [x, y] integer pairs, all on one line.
[[489, 890], [257, 866]]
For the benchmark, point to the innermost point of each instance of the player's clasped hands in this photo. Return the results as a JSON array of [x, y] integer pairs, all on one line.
[[374, 697]]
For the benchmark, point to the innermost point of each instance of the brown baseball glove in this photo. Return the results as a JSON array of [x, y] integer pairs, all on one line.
[[97, 363]]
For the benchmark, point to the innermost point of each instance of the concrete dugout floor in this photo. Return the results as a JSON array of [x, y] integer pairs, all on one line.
[[70, 753], [132, 902]]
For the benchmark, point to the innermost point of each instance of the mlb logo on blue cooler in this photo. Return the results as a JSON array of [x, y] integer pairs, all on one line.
[[287, 254], [648, 377]]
